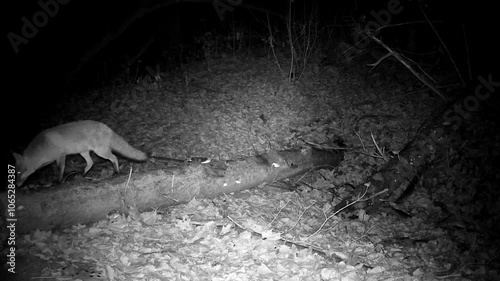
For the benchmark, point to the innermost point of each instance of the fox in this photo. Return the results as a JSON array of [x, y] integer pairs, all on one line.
[[78, 137]]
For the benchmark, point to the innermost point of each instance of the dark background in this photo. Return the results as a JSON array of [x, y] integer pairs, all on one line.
[[43, 71]]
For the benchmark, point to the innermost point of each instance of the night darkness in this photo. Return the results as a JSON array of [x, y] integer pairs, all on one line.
[[194, 79], [44, 63]]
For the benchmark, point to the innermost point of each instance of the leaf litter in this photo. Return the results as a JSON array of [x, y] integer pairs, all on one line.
[[442, 230]]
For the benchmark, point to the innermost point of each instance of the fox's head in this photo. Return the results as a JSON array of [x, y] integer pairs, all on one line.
[[22, 169]]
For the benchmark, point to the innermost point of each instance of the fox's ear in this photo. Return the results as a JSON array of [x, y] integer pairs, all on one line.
[[18, 157]]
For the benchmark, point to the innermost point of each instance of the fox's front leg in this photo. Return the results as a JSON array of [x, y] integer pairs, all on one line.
[[61, 163]]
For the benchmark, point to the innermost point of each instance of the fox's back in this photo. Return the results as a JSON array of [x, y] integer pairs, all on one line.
[[72, 138]]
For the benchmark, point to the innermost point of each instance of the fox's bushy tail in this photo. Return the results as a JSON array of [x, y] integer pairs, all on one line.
[[120, 145]]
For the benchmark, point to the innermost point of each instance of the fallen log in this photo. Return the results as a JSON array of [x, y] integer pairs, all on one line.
[[83, 202]]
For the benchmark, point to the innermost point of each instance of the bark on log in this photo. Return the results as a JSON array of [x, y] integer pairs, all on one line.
[[83, 202]]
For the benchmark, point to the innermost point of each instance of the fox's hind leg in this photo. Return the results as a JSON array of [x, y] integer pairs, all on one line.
[[89, 161], [106, 154]]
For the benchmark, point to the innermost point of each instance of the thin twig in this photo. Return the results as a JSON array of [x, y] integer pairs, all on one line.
[[442, 43], [300, 216], [405, 63], [281, 209], [338, 211], [467, 52], [271, 43]]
